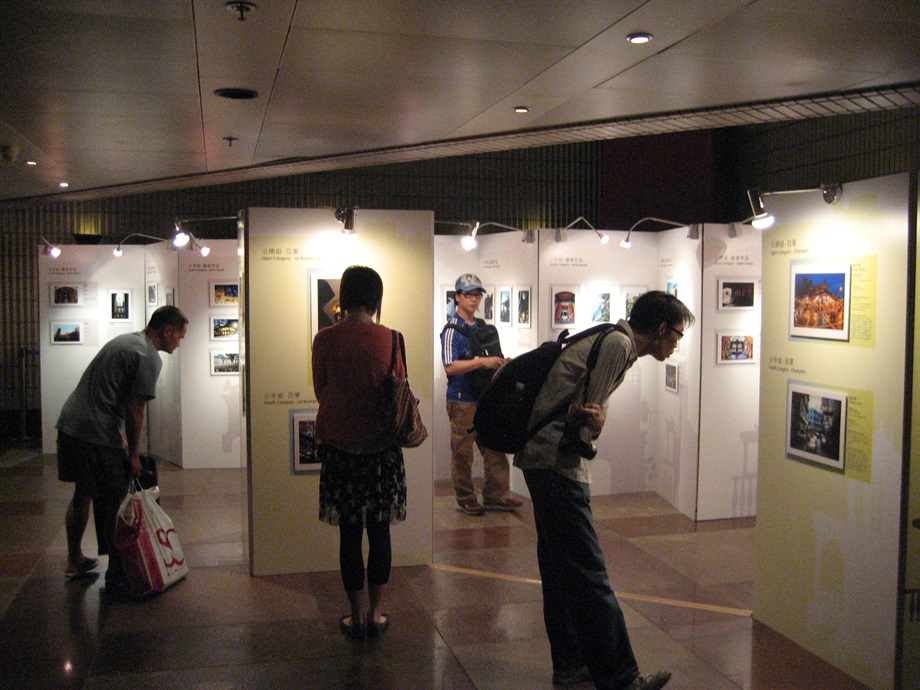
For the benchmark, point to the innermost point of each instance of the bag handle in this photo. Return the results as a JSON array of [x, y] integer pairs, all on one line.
[[398, 344]]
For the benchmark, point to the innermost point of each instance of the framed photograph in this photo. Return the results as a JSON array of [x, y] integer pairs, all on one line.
[[563, 301], [67, 333], [523, 305], [820, 301], [735, 293], [504, 305], [601, 307], [153, 294], [225, 363], [672, 288], [487, 305], [303, 442], [735, 348], [120, 305], [225, 328], [630, 294], [448, 301], [671, 377], [67, 295], [224, 293], [324, 301], [816, 420]]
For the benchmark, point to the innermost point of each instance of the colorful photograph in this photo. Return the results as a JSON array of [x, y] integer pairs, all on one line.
[[735, 348], [736, 294], [66, 333], [303, 442], [563, 301], [504, 305], [225, 294], [523, 306], [820, 301], [223, 328], [600, 310], [225, 363], [120, 305], [324, 302], [68, 295]]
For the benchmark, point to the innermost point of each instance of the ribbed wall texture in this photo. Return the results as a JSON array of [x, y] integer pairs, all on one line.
[[525, 188]]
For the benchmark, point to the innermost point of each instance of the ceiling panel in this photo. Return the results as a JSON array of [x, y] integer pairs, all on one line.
[[118, 94]]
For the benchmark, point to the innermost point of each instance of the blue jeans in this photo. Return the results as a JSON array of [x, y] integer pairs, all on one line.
[[583, 619]]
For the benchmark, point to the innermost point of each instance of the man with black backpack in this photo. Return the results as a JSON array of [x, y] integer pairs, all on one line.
[[470, 353], [584, 622]]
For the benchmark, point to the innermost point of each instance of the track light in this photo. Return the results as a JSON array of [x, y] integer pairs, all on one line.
[[346, 216], [626, 243], [53, 250], [530, 236], [831, 193], [181, 239], [118, 251], [761, 219], [693, 231], [468, 242], [562, 236], [732, 230]]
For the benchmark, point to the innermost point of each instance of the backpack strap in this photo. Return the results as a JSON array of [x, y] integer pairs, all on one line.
[[592, 361]]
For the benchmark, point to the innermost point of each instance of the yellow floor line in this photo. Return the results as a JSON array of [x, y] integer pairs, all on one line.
[[622, 595]]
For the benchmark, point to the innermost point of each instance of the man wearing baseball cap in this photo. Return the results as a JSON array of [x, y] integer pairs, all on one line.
[[459, 361]]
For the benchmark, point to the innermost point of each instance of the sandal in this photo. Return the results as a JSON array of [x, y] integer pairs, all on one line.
[[81, 568], [355, 631], [377, 629]]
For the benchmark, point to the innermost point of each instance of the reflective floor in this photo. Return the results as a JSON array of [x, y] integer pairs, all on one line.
[[472, 620]]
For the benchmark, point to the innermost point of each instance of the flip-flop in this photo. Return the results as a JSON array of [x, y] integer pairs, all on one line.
[[354, 631], [84, 567], [377, 629]]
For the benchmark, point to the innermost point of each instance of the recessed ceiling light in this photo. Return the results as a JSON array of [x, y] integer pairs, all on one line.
[[65, 184], [31, 162], [521, 109], [639, 37], [237, 94]]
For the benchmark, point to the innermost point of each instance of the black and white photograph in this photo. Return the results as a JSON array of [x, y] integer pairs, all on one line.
[[120, 307], [671, 377], [816, 422]]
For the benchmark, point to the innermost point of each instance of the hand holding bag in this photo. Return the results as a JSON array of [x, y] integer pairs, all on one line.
[[148, 544], [399, 419]]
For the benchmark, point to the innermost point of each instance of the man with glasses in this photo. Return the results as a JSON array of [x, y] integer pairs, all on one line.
[[584, 622], [459, 362]]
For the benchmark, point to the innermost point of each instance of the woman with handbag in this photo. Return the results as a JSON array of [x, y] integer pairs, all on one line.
[[362, 481]]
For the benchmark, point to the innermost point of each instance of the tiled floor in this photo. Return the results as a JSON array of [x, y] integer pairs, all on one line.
[[471, 621]]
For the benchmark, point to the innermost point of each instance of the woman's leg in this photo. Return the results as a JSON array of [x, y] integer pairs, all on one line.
[[379, 559], [351, 565]]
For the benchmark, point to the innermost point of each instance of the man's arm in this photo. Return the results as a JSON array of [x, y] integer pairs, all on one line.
[[134, 423]]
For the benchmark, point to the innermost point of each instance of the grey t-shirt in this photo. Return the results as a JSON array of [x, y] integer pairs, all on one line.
[[616, 355], [126, 366]]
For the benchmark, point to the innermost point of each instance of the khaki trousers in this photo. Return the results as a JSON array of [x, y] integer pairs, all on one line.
[[495, 465]]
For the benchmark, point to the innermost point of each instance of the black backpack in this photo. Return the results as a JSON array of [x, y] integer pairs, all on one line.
[[503, 413], [484, 342]]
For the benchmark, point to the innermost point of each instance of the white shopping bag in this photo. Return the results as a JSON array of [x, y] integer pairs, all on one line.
[[148, 544]]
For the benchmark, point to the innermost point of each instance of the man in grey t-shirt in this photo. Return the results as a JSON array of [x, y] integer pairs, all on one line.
[[99, 433]]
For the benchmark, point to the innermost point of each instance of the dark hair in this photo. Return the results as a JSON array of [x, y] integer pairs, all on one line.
[[361, 287], [167, 316], [657, 307]]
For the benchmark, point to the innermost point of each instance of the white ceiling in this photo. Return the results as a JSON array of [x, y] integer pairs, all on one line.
[[117, 96]]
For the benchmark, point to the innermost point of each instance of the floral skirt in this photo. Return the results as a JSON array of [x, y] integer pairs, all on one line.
[[361, 489]]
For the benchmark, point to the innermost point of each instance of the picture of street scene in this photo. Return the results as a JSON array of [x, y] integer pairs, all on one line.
[[817, 426]]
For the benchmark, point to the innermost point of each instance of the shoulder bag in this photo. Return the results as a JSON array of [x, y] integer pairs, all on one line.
[[399, 418]]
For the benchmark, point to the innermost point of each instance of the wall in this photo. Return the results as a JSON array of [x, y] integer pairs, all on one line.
[[93, 272], [673, 447], [826, 571], [285, 249], [498, 260], [729, 388], [210, 402]]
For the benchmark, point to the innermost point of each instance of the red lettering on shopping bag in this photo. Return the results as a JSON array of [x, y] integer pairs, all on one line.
[[163, 538]]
